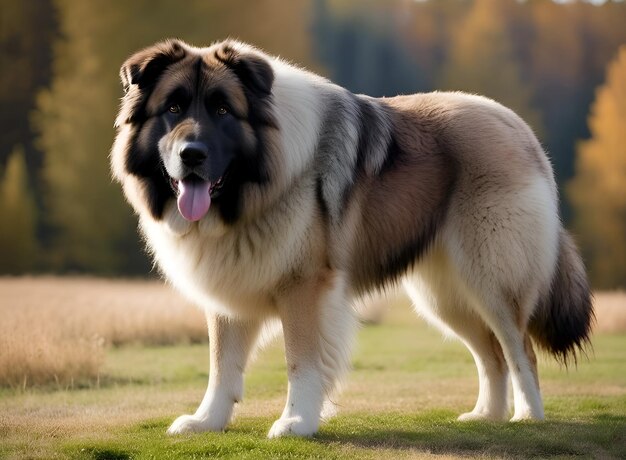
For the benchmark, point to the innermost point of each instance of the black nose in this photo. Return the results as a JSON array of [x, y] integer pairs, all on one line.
[[193, 153]]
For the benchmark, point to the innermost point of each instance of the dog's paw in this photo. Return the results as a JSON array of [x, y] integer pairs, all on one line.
[[192, 424], [480, 416], [527, 417], [292, 426], [329, 410], [471, 416]]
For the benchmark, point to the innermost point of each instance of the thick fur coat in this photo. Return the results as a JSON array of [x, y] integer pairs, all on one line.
[[267, 193]]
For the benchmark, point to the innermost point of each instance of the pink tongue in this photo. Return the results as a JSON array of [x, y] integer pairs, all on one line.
[[194, 199]]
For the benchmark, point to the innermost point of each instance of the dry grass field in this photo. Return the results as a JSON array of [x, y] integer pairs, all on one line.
[[610, 312], [55, 330], [85, 373]]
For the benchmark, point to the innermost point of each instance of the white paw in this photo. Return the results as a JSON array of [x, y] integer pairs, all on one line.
[[329, 410], [527, 416], [292, 426], [479, 416], [193, 424]]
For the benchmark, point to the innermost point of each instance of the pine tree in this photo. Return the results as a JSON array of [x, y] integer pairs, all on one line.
[[18, 241], [598, 191]]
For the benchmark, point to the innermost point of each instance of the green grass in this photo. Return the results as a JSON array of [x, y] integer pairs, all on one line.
[[401, 401]]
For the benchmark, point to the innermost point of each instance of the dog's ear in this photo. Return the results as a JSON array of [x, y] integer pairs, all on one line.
[[141, 71], [144, 67], [253, 70]]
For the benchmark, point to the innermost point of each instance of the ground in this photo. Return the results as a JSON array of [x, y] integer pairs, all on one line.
[[401, 401]]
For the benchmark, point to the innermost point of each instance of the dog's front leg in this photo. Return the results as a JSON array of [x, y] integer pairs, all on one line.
[[318, 327], [230, 343]]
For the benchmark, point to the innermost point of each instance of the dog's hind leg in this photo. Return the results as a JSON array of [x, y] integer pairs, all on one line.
[[502, 342], [493, 373], [507, 317], [318, 327], [502, 241], [230, 341], [447, 310]]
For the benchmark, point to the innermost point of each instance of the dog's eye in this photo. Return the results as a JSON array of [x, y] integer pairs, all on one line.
[[222, 110], [174, 108]]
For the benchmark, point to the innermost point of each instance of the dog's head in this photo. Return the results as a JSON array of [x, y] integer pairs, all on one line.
[[191, 125]]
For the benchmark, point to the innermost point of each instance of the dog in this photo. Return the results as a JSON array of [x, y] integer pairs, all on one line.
[[265, 192]]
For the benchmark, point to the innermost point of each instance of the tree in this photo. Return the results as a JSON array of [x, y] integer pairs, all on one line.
[[26, 31], [362, 49], [93, 229], [598, 192], [18, 241], [482, 60]]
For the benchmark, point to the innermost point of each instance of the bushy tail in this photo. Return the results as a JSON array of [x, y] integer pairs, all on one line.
[[563, 319]]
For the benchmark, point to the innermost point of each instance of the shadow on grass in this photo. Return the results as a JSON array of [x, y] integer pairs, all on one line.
[[109, 454], [601, 436], [387, 435]]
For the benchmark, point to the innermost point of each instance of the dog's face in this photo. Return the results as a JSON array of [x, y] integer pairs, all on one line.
[[196, 119]]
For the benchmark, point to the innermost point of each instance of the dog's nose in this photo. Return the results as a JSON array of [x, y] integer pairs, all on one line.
[[193, 153]]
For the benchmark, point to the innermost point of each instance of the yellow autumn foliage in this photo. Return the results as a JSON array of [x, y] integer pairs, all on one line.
[[598, 192]]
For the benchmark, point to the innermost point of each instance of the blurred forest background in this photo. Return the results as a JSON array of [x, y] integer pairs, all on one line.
[[560, 65]]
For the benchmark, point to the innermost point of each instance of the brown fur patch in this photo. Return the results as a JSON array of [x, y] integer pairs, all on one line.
[[301, 324], [498, 355], [402, 208]]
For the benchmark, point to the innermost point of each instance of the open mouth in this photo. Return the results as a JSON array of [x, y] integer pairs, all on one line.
[[194, 195], [214, 188]]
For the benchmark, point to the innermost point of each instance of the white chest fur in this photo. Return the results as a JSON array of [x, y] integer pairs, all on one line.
[[233, 270]]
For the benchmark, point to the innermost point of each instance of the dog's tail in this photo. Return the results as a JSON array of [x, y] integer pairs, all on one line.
[[564, 316]]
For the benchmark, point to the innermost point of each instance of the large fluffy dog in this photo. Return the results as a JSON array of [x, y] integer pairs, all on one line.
[[266, 192]]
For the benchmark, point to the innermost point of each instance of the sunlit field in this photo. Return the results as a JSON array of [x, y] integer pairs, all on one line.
[[97, 369], [56, 330]]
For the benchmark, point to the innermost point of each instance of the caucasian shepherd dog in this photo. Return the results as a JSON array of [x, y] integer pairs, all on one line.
[[266, 192]]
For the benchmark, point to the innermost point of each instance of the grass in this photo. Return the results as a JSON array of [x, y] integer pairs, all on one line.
[[56, 330], [401, 401]]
